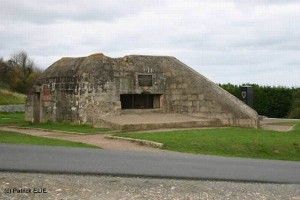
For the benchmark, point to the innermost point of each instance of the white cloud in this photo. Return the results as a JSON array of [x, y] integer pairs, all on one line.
[[51, 11], [228, 41]]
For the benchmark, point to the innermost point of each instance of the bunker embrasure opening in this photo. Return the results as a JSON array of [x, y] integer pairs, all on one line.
[[140, 101]]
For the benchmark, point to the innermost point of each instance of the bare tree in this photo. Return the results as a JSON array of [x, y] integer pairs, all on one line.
[[25, 72], [21, 61]]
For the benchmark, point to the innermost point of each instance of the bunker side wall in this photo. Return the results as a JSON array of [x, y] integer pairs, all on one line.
[[190, 93]]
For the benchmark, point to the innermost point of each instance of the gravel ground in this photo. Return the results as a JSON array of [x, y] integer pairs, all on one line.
[[106, 187]]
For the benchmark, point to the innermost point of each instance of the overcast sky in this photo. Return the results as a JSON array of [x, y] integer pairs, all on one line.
[[238, 41]]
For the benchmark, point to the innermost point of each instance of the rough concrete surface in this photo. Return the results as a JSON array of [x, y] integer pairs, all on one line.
[[152, 121], [12, 108], [85, 89], [106, 187]]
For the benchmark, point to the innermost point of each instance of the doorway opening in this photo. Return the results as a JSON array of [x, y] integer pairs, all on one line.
[[36, 107], [140, 101]]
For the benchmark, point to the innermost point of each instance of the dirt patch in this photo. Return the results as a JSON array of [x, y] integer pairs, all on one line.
[[268, 124], [282, 128]]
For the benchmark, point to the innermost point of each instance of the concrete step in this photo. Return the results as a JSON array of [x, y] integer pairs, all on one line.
[[150, 121], [162, 125]]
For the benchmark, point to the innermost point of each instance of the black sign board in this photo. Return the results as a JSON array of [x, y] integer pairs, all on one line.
[[145, 80], [247, 95]]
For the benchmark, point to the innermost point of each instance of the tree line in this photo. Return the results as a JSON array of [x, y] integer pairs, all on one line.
[[271, 101], [18, 73]]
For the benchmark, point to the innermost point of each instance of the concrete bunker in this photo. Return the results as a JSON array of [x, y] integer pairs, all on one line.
[[89, 90]]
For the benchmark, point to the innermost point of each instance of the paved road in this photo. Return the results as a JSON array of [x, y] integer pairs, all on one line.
[[29, 158]]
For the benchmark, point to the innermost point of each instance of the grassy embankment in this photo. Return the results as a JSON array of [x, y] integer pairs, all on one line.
[[8, 97], [233, 142]]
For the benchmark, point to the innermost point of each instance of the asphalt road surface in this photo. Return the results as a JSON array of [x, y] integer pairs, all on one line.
[[28, 158]]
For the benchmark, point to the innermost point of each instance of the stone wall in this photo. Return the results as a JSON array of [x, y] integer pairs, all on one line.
[[12, 108]]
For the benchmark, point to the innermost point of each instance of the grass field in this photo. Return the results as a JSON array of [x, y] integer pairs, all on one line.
[[8, 97], [65, 126], [18, 119], [234, 142], [12, 118], [18, 138]]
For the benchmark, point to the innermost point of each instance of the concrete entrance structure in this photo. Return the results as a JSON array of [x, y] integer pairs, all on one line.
[[134, 121], [100, 90]]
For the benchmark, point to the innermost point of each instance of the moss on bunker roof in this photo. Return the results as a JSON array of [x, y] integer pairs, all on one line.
[[96, 55], [67, 66]]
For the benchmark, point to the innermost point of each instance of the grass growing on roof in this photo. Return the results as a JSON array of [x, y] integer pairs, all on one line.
[[234, 142], [19, 138]]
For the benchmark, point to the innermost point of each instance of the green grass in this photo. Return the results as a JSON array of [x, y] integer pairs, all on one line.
[[18, 119], [12, 118], [18, 138], [234, 142], [66, 126], [8, 97]]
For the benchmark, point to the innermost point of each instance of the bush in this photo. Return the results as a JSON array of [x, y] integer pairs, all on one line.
[[295, 108], [269, 101]]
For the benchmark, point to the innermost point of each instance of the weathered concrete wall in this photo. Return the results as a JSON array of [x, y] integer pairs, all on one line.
[[192, 93], [12, 108], [84, 89], [79, 98], [29, 108], [186, 91]]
